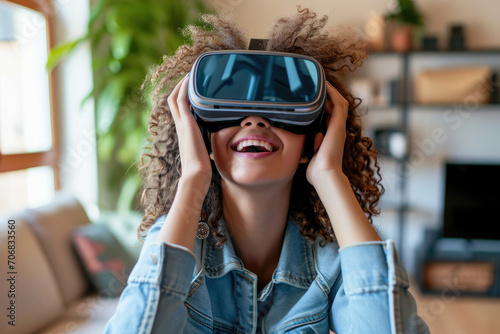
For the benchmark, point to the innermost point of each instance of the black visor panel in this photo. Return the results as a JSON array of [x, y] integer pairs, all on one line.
[[259, 78]]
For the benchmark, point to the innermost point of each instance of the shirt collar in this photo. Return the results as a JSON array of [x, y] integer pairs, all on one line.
[[295, 265]]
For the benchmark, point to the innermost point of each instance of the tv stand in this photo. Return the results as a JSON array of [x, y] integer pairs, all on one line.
[[469, 267]]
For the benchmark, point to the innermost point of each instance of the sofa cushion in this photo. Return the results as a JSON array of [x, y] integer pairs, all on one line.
[[88, 315], [52, 225], [105, 260], [38, 301]]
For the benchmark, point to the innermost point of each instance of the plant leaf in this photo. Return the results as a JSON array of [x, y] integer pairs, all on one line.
[[86, 98], [61, 50], [120, 44], [128, 192], [106, 144], [109, 102]]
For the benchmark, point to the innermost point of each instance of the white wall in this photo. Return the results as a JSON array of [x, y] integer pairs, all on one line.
[[480, 17]]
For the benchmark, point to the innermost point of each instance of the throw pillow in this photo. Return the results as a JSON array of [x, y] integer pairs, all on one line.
[[104, 259]]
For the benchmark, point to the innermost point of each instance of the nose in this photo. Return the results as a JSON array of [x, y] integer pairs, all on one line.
[[257, 121]]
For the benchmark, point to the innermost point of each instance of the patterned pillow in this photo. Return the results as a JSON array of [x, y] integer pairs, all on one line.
[[105, 260]]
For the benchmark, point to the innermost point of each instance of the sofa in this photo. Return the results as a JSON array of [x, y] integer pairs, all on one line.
[[46, 288]]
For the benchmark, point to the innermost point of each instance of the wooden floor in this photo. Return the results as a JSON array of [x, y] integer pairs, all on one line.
[[452, 314]]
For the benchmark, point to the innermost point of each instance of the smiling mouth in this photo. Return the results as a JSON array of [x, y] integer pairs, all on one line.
[[255, 146]]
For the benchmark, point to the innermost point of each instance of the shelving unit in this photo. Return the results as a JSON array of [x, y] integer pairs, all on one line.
[[406, 107]]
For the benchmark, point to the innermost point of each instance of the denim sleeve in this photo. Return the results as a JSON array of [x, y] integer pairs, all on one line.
[[161, 276], [374, 296]]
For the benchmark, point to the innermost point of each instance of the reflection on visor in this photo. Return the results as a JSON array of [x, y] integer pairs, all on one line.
[[252, 77]]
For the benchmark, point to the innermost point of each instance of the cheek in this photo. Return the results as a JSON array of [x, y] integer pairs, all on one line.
[[215, 146], [295, 145], [219, 142], [300, 152]]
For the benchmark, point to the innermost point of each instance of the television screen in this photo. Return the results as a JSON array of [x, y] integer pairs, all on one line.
[[471, 201]]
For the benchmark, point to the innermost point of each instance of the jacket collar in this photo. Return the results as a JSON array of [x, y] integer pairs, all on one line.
[[295, 265]]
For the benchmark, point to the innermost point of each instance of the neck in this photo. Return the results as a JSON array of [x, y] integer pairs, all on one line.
[[256, 219]]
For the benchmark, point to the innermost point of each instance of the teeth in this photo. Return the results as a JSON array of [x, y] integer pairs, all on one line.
[[246, 143]]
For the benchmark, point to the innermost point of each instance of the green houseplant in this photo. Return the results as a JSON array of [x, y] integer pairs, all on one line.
[[127, 37], [404, 22]]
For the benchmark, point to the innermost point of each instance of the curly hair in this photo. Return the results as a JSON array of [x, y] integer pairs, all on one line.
[[339, 51]]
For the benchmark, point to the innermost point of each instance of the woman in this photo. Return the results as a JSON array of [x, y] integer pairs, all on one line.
[[291, 245]]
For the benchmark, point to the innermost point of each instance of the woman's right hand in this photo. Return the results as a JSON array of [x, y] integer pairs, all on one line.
[[181, 223], [195, 160]]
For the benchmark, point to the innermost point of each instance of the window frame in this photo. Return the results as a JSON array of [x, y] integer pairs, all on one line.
[[23, 161]]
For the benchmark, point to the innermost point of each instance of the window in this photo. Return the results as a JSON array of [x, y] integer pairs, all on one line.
[[28, 126]]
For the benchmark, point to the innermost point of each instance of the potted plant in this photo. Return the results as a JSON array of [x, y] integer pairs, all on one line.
[[403, 22], [127, 38]]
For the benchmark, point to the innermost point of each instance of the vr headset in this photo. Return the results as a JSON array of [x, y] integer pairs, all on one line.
[[289, 90]]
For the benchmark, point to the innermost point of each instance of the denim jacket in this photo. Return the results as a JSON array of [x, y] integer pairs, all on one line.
[[361, 288]]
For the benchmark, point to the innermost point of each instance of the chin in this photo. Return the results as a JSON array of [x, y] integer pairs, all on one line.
[[251, 179]]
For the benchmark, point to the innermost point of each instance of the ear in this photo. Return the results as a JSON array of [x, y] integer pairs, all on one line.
[[304, 159]]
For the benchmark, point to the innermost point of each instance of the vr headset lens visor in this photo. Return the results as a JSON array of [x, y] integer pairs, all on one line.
[[287, 89], [253, 77]]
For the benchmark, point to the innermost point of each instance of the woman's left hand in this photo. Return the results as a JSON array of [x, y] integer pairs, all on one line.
[[330, 147]]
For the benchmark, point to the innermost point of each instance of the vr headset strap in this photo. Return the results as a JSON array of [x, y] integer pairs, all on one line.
[[258, 44]]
